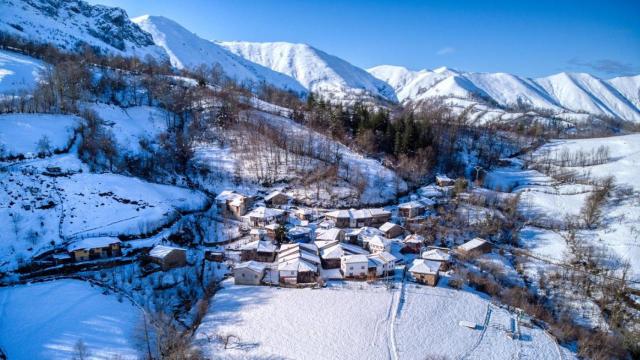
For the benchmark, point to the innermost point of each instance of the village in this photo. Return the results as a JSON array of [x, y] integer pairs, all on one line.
[[282, 244]]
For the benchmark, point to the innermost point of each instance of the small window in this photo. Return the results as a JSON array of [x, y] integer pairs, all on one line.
[[242, 275], [350, 267], [362, 267]]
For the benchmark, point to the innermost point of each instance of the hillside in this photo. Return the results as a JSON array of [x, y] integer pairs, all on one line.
[[316, 70], [71, 24], [188, 50], [570, 93]]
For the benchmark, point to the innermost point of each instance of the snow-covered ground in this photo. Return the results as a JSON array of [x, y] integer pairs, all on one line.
[[18, 73], [130, 125], [46, 321], [39, 212], [624, 156], [564, 94], [22, 133], [363, 321]]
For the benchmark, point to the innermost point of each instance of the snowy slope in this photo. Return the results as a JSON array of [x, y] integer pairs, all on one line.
[[584, 92], [188, 50], [560, 93], [20, 133], [629, 86], [363, 321], [67, 24], [314, 69], [46, 320], [18, 73]]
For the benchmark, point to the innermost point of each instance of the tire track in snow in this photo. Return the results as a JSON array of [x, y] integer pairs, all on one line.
[[485, 326]]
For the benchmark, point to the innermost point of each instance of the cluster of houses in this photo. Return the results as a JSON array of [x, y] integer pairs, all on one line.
[[296, 246]]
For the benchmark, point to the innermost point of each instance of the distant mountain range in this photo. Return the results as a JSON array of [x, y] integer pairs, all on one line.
[[302, 68]]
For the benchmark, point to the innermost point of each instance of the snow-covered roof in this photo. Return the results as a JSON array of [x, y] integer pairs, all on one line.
[[427, 202], [355, 259], [388, 226], [378, 212], [423, 266], [229, 195], [443, 178], [265, 213], [273, 227], [323, 244], [361, 213], [411, 205], [338, 250], [413, 239], [385, 257], [252, 265], [330, 234], [299, 265], [436, 255], [290, 252], [260, 246], [431, 191], [273, 194], [472, 244], [379, 241], [367, 231], [161, 251], [299, 230], [93, 243], [339, 214]]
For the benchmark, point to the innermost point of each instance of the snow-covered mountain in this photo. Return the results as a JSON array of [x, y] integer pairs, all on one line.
[[188, 50], [316, 70], [68, 24], [574, 92]]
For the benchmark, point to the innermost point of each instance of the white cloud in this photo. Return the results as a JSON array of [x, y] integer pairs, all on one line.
[[446, 50]]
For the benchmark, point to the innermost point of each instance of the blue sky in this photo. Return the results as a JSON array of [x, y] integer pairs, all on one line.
[[529, 38]]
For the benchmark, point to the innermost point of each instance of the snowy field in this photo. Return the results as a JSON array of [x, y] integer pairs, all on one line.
[[20, 133], [130, 125], [38, 211], [46, 320], [18, 73], [362, 321], [624, 156]]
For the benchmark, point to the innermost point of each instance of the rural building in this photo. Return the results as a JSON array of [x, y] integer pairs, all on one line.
[[354, 266], [215, 256], [474, 246], [168, 257], [304, 214], [257, 234], [261, 250], [425, 271], [248, 273], [331, 255], [333, 234], [94, 248], [262, 216], [298, 263], [272, 230], [276, 198], [411, 209], [299, 234], [358, 218], [232, 204], [383, 263], [441, 256], [412, 243], [379, 244], [444, 180], [362, 235], [391, 230], [340, 218]]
